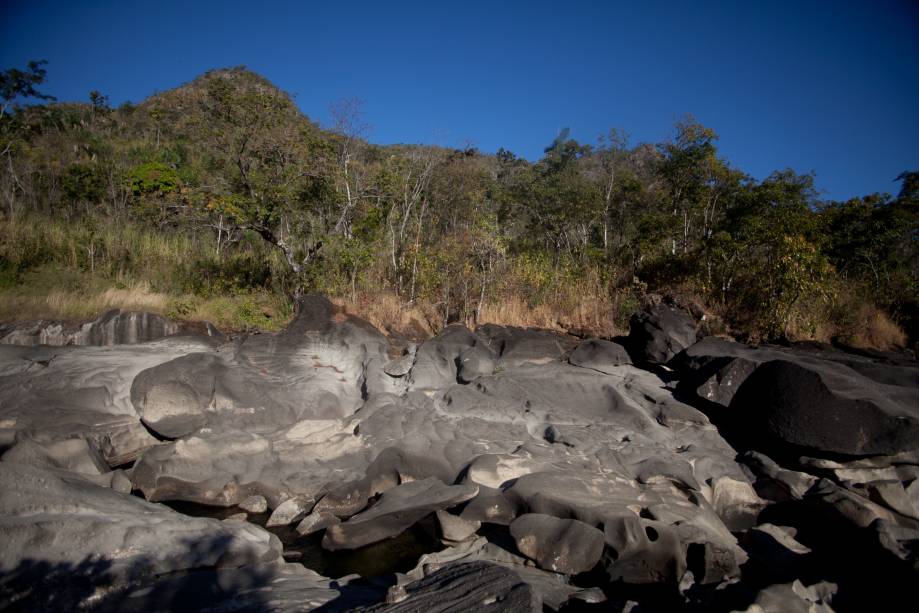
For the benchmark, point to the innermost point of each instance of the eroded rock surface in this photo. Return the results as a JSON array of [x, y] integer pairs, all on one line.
[[112, 328], [532, 456]]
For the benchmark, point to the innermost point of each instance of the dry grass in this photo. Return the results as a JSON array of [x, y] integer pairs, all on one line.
[[588, 316], [851, 321], [229, 313], [71, 305], [877, 331], [386, 311]]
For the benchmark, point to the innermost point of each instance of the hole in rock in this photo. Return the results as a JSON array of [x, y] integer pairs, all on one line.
[[695, 560], [126, 466], [645, 513], [652, 533]]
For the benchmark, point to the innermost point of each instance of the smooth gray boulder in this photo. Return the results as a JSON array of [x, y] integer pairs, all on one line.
[[290, 511], [474, 362], [74, 454], [59, 393], [490, 506], [455, 528], [397, 510], [600, 355], [436, 361], [254, 504], [314, 522], [172, 398], [660, 332], [520, 346], [826, 410], [561, 545], [59, 529], [320, 367]]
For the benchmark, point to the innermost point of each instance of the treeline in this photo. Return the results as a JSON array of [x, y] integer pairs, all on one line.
[[222, 186]]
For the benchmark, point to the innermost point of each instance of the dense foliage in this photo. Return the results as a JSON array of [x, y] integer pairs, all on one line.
[[243, 194]]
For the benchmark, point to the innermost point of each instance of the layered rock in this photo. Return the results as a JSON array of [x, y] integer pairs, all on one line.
[[112, 328]]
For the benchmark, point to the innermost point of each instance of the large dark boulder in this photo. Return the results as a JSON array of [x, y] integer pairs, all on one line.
[[819, 400], [829, 409], [659, 333]]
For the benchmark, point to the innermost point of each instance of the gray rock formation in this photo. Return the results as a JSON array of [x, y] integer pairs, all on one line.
[[75, 454], [660, 332], [600, 355], [532, 456], [827, 403], [290, 511], [475, 586], [561, 545], [397, 510], [112, 328], [58, 393], [314, 522], [254, 504], [454, 528]]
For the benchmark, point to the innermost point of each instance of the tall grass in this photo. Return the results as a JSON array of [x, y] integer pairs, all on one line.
[[57, 269]]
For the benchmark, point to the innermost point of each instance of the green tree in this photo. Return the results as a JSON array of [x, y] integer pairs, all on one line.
[[15, 84], [269, 162]]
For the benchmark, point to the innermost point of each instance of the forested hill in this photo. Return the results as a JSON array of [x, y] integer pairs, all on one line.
[[221, 200]]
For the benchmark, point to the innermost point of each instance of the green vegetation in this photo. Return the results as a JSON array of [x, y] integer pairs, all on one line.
[[220, 200]]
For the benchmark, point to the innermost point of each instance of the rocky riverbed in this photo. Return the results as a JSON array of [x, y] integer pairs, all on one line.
[[328, 468]]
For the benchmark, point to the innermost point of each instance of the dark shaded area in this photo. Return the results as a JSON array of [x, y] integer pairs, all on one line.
[[395, 555], [104, 585], [869, 578]]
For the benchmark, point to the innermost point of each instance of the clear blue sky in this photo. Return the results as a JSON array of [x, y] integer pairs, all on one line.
[[824, 86]]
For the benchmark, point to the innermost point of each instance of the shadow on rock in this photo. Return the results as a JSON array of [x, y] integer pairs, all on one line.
[[105, 585]]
